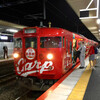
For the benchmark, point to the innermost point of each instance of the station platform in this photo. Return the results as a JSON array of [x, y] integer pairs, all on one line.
[[77, 84], [5, 61]]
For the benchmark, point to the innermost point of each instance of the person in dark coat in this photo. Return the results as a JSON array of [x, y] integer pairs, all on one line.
[[5, 49], [78, 52]]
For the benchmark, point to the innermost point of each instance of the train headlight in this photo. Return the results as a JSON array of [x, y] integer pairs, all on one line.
[[50, 56], [15, 55]]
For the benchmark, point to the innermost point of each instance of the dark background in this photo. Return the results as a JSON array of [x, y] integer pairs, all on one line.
[[31, 12]]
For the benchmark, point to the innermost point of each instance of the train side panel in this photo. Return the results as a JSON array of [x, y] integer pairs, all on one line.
[[67, 51]]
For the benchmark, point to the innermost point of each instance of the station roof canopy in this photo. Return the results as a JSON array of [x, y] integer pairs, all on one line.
[[61, 13], [91, 21]]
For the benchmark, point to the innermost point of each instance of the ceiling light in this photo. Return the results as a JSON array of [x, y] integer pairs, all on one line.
[[98, 21], [92, 28], [94, 31], [4, 37], [11, 30]]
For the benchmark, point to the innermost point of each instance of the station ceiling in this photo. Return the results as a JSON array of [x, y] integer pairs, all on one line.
[[91, 23], [61, 13]]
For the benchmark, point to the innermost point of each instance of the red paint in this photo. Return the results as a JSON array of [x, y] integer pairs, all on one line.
[[56, 41]]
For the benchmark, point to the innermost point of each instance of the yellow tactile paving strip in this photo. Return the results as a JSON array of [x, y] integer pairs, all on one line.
[[80, 88]]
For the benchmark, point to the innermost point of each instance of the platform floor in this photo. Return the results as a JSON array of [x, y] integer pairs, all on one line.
[[6, 61], [3, 60], [93, 88], [80, 84]]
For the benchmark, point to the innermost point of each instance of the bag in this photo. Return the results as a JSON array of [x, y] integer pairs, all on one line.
[[96, 51], [78, 53]]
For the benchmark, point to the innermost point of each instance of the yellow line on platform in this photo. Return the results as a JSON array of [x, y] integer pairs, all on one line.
[[80, 88]]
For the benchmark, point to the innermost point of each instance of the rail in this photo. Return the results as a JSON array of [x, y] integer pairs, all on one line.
[[18, 98]]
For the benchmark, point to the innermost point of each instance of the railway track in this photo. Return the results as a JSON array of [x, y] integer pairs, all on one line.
[[10, 87], [7, 73], [6, 68], [21, 96], [7, 78], [30, 95]]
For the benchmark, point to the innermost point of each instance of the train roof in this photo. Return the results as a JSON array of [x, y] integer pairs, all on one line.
[[42, 31], [45, 31]]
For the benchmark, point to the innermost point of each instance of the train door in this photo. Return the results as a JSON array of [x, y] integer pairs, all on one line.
[[68, 58], [74, 51], [30, 48]]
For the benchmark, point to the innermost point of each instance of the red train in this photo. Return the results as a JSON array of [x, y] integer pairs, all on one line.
[[45, 53]]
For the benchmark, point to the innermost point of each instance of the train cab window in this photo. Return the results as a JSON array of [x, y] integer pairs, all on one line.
[[17, 43], [70, 47], [31, 42], [50, 42]]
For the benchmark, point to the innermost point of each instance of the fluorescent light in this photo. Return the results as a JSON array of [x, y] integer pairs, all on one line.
[[98, 21], [4, 37], [94, 31], [11, 30], [8, 34], [92, 28]]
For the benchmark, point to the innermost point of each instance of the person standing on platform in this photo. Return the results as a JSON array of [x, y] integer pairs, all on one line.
[[78, 52], [82, 55], [96, 53], [5, 49], [92, 56]]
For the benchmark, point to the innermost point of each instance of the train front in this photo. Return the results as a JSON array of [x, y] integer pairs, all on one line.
[[37, 53]]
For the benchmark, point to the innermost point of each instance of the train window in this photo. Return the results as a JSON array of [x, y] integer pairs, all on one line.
[[31, 42], [63, 42], [17, 43], [66, 45], [50, 42], [74, 43], [30, 30], [70, 47]]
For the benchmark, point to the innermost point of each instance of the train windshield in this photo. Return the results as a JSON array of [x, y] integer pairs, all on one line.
[[50, 42], [31, 42], [17, 43]]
